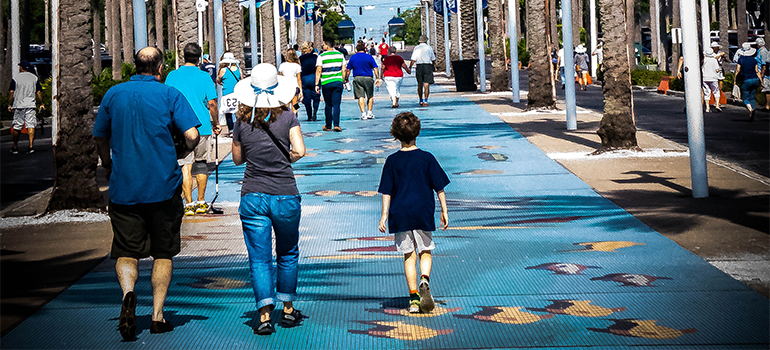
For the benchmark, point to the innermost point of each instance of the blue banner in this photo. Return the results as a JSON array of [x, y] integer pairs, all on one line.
[[438, 7], [452, 5]]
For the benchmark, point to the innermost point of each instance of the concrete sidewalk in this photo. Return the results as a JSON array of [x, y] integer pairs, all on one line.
[[536, 256]]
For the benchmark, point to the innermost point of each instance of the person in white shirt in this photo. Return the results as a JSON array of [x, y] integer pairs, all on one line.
[[763, 56], [21, 101], [710, 72], [423, 56], [291, 68]]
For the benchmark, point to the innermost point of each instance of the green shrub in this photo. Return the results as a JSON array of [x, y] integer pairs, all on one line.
[[646, 77], [47, 100], [727, 84], [676, 84], [5, 114]]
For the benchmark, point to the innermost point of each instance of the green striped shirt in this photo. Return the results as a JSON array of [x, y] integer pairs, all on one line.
[[331, 63]]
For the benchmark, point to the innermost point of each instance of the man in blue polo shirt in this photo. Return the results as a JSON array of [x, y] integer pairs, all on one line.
[[134, 138], [364, 69], [201, 93]]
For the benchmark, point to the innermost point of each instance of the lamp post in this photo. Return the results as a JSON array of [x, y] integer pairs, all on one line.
[[480, 38], [514, 41], [140, 25]]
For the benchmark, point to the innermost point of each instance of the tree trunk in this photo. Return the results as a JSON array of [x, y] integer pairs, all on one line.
[[5, 74], [499, 78], [740, 22], [616, 129], [552, 16], [440, 45], [268, 32], [518, 19], [186, 27], [454, 35], [318, 33], [159, 24], [97, 37], [234, 28], [211, 30], [675, 48], [655, 31], [629, 14], [540, 83], [469, 38], [75, 156], [150, 17], [107, 26], [170, 24], [282, 23], [724, 24], [127, 28], [117, 61], [577, 20]]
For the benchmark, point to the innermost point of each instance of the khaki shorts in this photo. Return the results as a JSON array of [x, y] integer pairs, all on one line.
[[202, 152], [414, 240], [24, 116]]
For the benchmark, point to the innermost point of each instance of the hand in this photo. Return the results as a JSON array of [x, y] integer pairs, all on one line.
[[299, 97], [317, 89], [10, 109], [383, 220], [42, 107], [216, 129], [444, 220], [679, 75], [378, 82]]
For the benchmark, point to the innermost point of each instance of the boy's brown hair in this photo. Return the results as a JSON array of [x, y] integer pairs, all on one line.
[[405, 127]]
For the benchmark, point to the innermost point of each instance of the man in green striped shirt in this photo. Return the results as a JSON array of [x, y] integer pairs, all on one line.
[[330, 69]]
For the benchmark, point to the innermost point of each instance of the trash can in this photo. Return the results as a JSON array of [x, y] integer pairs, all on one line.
[[465, 77]]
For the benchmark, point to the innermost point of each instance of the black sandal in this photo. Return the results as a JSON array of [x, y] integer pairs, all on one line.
[[127, 319], [291, 319], [264, 328]]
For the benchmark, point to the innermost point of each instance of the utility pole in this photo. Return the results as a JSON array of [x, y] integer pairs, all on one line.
[[480, 38], [514, 40], [140, 25], [569, 64], [446, 37]]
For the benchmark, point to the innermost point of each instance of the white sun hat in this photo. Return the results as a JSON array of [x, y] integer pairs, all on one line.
[[580, 49], [228, 57], [715, 44], [265, 88], [748, 50]]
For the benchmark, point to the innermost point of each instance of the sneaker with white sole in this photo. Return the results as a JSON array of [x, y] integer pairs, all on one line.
[[426, 300], [414, 306], [369, 115], [201, 208], [364, 116], [189, 210]]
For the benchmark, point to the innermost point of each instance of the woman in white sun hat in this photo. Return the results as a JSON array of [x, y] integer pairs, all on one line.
[[747, 75], [581, 66], [267, 137], [229, 74]]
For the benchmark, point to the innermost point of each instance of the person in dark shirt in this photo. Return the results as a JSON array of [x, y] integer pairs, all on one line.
[[409, 178], [748, 69], [310, 98], [209, 67]]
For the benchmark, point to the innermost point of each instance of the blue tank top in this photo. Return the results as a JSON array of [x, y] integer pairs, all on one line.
[[229, 80]]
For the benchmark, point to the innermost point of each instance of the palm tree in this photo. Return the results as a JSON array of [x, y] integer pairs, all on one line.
[[468, 35], [159, 24], [630, 31], [552, 14], [675, 49], [724, 24], [115, 45], [75, 156], [5, 59], [127, 28], [186, 27], [540, 78], [234, 29], [499, 79], [97, 30], [577, 20], [268, 32], [440, 57], [454, 38], [740, 22], [655, 31], [616, 129]]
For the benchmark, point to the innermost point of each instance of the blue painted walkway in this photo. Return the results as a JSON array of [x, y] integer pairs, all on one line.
[[534, 258]]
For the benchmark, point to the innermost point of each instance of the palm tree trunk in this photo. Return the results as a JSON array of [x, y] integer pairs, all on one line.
[[234, 28], [268, 32], [740, 22], [159, 24], [97, 30], [75, 152], [440, 47], [577, 20], [186, 27], [127, 28], [499, 78], [150, 17], [629, 5], [675, 48], [655, 31], [171, 25], [117, 62], [5, 74], [616, 129], [318, 32], [454, 34], [540, 83], [724, 24], [210, 36], [282, 22], [468, 35], [552, 15]]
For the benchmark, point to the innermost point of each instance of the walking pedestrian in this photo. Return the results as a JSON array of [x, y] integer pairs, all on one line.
[[364, 70], [560, 58], [134, 132], [423, 56], [599, 56], [763, 56], [384, 49], [409, 178], [291, 68], [201, 93], [268, 139], [748, 73], [710, 73], [21, 101], [720, 57], [229, 74], [330, 70], [393, 75], [581, 66], [311, 99], [209, 67]]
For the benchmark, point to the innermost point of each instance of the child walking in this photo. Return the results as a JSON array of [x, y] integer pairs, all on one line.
[[409, 178]]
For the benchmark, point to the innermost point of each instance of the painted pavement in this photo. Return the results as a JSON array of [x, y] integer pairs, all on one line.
[[534, 258]]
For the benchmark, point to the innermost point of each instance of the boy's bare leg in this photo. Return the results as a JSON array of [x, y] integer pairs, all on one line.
[[410, 269], [161, 278], [426, 262]]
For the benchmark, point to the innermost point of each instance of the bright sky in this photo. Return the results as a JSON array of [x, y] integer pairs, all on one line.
[[376, 15]]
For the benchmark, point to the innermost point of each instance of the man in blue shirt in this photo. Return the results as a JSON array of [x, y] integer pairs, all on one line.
[[134, 133], [364, 69], [201, 93]]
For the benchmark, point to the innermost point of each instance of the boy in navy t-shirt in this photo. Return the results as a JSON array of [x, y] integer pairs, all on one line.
[[409, 178]]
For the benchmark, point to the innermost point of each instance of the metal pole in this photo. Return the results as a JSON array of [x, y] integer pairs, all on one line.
[[480, 38], [277, 33], [705, 24], [595, 35], [200, 28], [56, 70], [292, 24], [569, 64], [140, 25], [446, 36], [512, 24], [15, 39], [219, 37], [253, 31], [656, 27], [459, 31], [47, 35], [692, 93]]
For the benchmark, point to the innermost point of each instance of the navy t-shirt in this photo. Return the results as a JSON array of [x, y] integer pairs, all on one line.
[[748, 63], [308, 61], [410, 178], [362, 65]]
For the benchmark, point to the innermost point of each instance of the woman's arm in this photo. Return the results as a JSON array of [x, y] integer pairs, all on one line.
[[299, 84], [220, 75], [406, 68], [297, 144], [237, 152]]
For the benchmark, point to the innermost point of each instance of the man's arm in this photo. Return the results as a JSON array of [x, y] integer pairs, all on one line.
[[377, 76], [10, 100], [318, 70], [214, 112], [40, 97], [103, 150], [192, 137]]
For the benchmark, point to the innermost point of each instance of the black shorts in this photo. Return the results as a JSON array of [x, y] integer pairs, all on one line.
[[147, 229], [424, 73]]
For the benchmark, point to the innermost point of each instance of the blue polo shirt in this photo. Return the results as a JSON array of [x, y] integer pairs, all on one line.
[[137, 117], [362, 65], [197, 87]]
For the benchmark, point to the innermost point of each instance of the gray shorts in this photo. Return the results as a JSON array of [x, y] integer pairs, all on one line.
[[24, 116], [363, 87], [414, 240], [424, 73], [202, 151]]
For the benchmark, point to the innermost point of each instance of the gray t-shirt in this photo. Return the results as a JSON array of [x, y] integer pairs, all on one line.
[[267, 169]]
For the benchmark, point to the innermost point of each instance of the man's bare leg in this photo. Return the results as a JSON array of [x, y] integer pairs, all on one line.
[[15, 133], [31, 134], [187, 183], [362, 104], [370, 103], [128, 272], [419, 91], [202, 181], [161, 278], [427, 91]]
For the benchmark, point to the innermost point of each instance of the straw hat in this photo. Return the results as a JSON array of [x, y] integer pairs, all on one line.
[[580, 49], [265, 88], [229, 58], [748, 50]]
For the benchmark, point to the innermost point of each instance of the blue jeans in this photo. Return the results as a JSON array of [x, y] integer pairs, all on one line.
[[260, 214], [332, 98], [309, 97], [748, 90]]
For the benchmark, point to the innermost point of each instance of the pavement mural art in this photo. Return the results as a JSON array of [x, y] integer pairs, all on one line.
[[533, 258]]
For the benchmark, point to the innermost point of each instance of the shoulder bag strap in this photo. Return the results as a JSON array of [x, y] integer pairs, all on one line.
[[275, 141]]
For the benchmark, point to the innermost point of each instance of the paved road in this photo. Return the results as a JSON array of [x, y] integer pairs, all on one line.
[[23, 175]]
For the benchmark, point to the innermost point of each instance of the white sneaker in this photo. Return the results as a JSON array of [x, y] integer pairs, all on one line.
[[364, 116], [369, 115]]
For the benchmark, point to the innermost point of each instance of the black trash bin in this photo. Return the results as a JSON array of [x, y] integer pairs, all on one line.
[[465, 77]]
